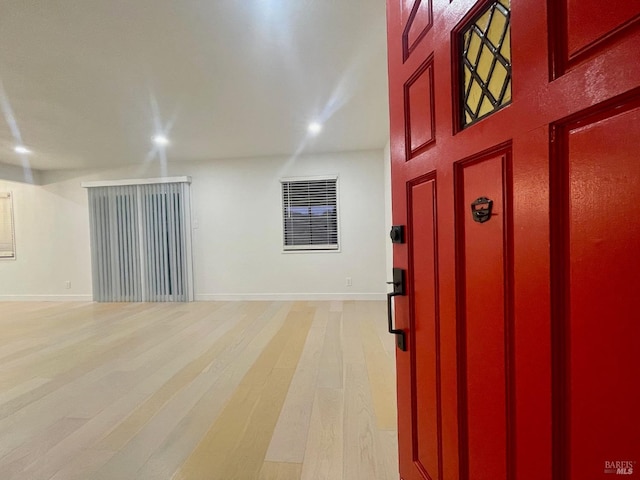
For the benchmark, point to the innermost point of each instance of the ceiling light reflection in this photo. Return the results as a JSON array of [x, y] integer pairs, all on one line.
[[21, 149], [161, 140], [314, 128]]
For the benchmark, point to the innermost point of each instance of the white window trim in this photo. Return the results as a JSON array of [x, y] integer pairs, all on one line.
[[9, 195], [304, 248], [135, 181]]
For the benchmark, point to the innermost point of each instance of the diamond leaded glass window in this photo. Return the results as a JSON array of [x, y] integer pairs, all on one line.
[[486, 63]]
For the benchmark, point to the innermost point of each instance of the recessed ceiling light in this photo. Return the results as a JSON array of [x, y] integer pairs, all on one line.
[[314, 128], [21, 149], [161, 140]]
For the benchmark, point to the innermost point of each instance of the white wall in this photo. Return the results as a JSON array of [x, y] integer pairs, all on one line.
[[52, 244], [237, 244]]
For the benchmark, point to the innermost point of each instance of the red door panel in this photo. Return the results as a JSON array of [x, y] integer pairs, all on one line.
[[425, 326], [418, 19], [580, 29], [484, 320], [420, 109], [598, 361], [591, 21]]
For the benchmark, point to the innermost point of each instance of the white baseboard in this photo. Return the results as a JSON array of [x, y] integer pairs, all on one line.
[[46, 298], [230, 297]]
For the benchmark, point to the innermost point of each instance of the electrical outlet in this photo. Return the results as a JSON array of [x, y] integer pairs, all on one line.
[[348, 282], [67, 284]]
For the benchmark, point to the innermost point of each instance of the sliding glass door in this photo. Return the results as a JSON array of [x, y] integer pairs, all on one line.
[[140, 242]]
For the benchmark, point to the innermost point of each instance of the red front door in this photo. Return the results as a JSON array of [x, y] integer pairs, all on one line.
[[515, 148]]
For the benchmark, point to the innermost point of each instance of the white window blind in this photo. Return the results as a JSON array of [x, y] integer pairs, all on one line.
[[7, 233], [310, 214]]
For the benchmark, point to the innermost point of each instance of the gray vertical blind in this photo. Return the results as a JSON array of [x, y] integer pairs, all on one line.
[[140, 243]]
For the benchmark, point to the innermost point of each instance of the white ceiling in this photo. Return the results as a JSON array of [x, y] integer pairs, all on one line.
[[88, 82]]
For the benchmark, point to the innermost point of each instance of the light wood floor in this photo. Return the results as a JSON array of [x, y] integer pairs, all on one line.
[[200, 391]]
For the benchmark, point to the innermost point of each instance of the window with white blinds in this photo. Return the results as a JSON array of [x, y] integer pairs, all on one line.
[[7, 233], [310, 213]]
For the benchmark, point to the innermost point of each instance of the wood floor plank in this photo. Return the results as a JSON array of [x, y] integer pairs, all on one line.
[[360, 433], [198, 391], [336, 306], [381, 376], [232, 366], [351, 342], [19, 348], [83, 466], [15, 464], [149, 435], [280, 471], [324, 453], [85, 384], [331, 364], [70, 366], [235, 445], [101, 393], [377, 313], [387, 454], [28, 385], [116, 439], [289, 437]]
